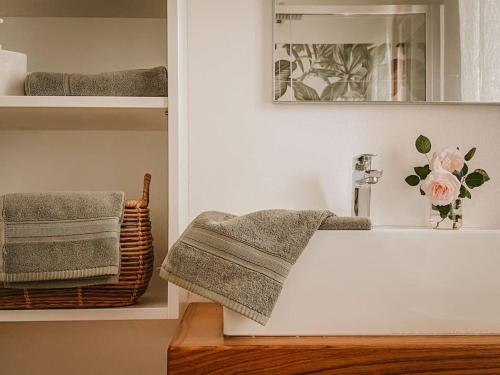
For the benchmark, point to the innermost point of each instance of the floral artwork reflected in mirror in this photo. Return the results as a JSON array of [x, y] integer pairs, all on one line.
[[349, 72]]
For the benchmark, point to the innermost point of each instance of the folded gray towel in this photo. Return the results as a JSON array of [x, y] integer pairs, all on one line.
[[243, 261], [60, 239], [138, 82], [62, 284]]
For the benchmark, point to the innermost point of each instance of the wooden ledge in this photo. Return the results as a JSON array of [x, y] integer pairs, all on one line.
[[200, 347]]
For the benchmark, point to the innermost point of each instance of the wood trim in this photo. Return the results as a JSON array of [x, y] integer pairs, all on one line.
[[200, 347]]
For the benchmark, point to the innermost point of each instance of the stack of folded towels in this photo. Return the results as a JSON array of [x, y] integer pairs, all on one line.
[[60, 240]]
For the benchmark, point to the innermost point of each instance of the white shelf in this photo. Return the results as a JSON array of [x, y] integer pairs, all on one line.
[[82, 113], [150, 307], [84, 102]]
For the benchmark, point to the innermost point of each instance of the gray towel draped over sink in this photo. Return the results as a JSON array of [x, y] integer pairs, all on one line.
[[242, 262], [61, 239]]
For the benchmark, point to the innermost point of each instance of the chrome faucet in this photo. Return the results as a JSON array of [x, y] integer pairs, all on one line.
[[363, 177]]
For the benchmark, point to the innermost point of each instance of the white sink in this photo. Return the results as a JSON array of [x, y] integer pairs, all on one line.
[[388, 281]]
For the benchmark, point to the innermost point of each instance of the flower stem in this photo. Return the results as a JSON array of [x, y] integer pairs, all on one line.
[[439, 222]]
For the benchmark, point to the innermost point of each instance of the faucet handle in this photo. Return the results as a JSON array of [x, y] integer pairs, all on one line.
[[363, 162], [377, 173]]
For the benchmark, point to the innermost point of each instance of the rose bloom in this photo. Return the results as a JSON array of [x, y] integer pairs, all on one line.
[[450, 159], [441, 187]]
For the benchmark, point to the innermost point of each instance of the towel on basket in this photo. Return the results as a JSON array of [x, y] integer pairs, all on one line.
[[242, 262], [60, 239], [137, 82]]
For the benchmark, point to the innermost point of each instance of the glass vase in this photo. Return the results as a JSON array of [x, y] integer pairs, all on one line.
[[451, 220]]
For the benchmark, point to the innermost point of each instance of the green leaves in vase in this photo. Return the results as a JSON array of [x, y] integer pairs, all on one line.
[[474, 180], [421, 174], [464, 193], [486, 178], [412, 180], [423, 144], [477, 178], [468, 156], [444, 211]]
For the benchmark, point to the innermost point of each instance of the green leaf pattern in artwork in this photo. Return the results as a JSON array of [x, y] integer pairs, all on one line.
[[333, 91], [303, 92], [336, 72], [282, 71]]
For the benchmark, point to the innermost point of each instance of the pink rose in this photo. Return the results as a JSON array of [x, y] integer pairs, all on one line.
[[441, 187], [450, 159]]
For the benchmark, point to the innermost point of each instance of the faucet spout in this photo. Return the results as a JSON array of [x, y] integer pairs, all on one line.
[[363, 177]]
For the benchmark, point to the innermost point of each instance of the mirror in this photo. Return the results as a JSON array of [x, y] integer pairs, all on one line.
[[398, 51]]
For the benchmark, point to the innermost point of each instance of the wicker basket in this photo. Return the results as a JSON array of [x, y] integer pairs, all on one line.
[[136, 246]]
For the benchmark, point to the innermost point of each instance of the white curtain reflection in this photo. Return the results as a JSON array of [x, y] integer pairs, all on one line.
[[480, 40]]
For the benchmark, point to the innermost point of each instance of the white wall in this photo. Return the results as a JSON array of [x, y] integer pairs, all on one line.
[[86, 45], [247, 153]]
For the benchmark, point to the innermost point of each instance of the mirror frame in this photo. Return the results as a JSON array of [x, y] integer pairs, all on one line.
[[373, 10]]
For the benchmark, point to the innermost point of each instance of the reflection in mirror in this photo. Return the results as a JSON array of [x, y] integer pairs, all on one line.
[[407, 51]]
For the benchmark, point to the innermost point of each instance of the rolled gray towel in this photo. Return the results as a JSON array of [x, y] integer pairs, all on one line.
[[139, 82], [346, 223]]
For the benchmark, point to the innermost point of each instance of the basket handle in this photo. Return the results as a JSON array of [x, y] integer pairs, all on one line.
[[144, 201]]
